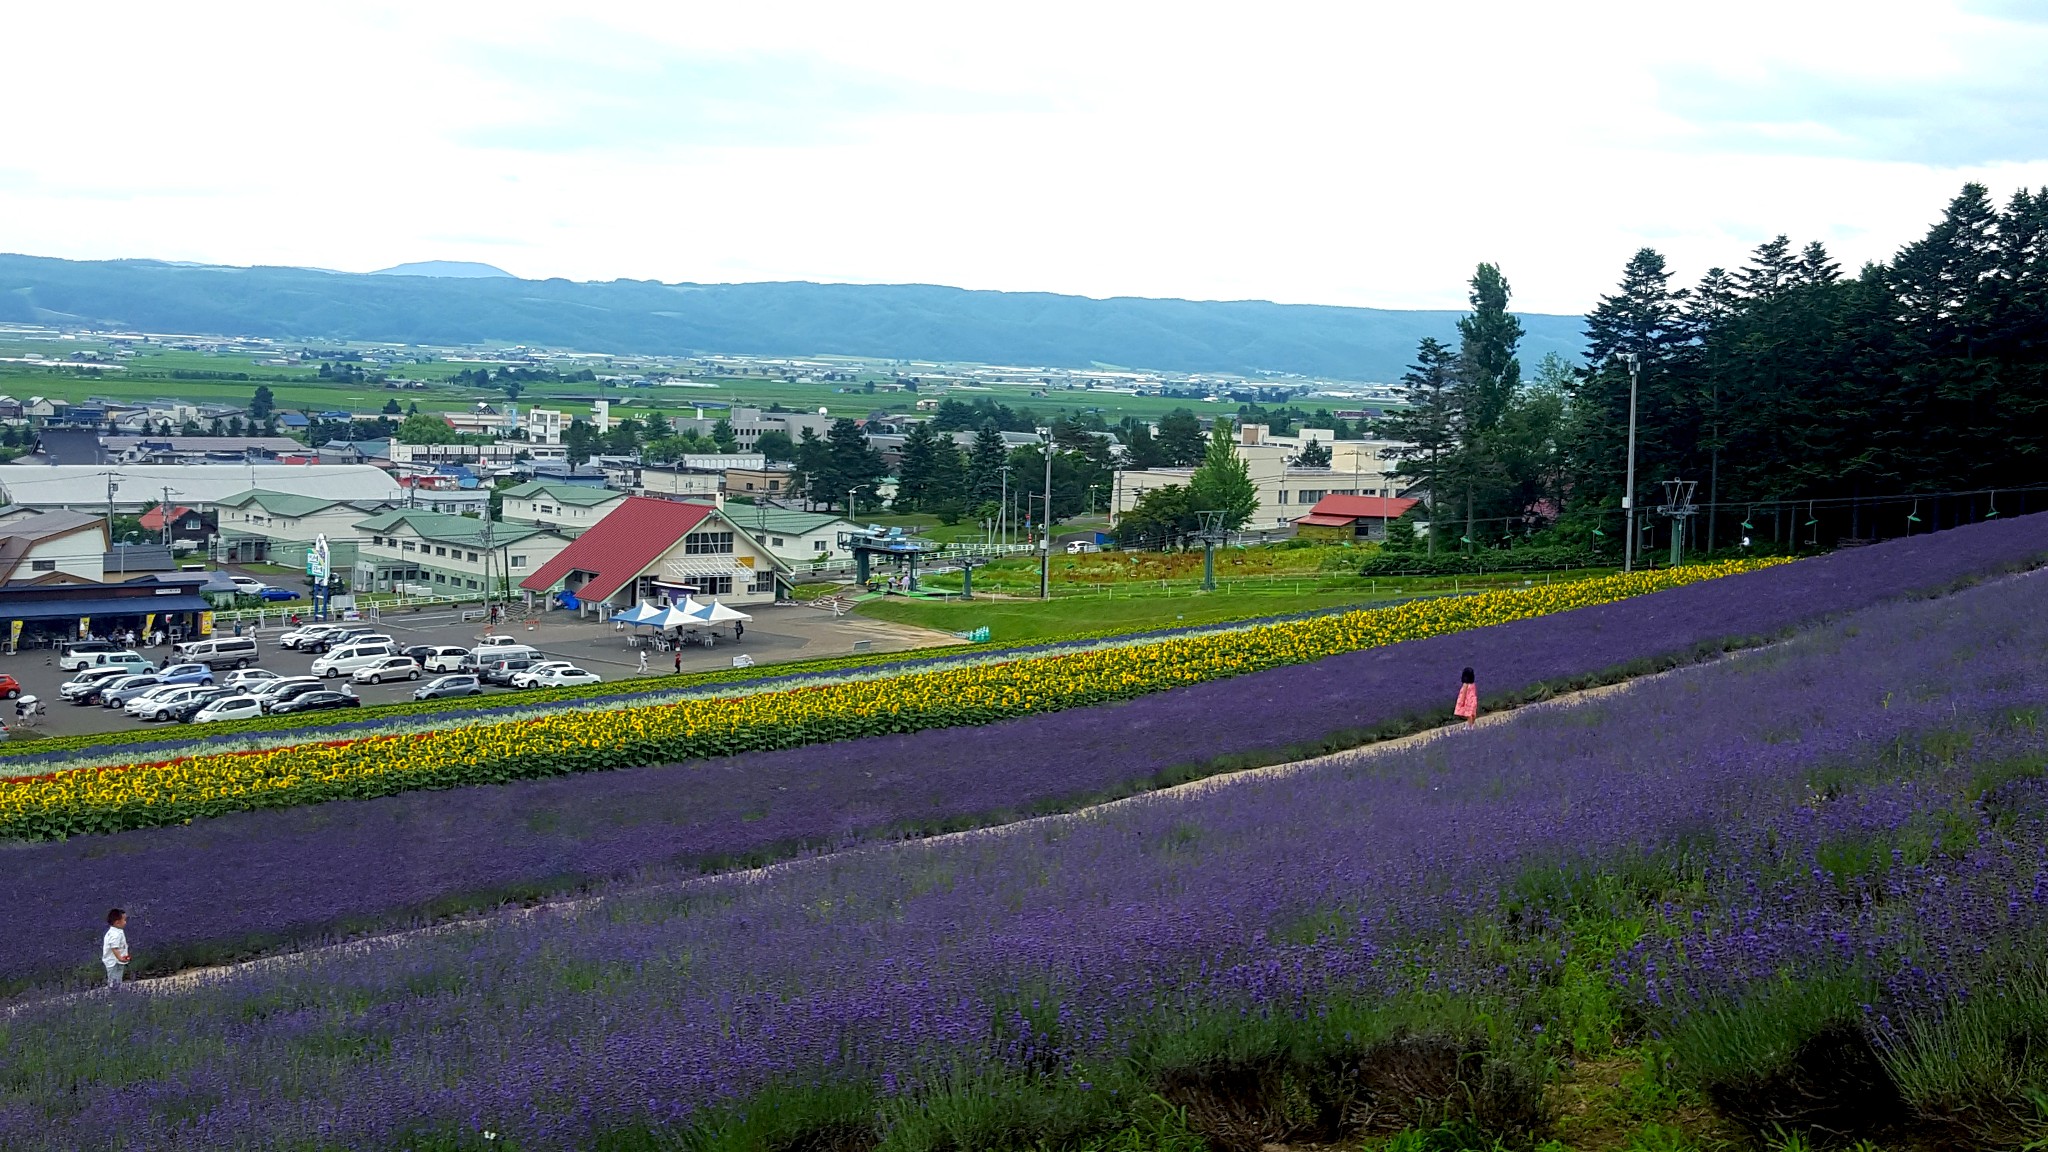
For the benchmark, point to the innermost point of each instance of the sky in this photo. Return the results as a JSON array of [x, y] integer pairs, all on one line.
[[1362, 153]]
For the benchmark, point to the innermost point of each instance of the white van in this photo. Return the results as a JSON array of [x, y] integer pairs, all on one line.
[[492, 653], [343, 661], [219, 652]]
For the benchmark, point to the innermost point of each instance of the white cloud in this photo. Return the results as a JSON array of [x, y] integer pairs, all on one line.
[[1317, 153]]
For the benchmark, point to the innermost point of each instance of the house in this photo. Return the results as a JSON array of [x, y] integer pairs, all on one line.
[[295, 421], [433, 553], [765, 480], [1340, 517], [445, 492], [681, 482], [796, 538], [187, 524], [553, 504], [278, 527], [53, 548], [125, 561], [649, 550], [132, 488]]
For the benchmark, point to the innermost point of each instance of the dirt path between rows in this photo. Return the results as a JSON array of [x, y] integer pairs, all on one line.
[[197, 977]]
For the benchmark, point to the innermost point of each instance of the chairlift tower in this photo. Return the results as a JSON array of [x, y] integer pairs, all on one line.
[[1210, 534], [1679, 506], [874, 541]]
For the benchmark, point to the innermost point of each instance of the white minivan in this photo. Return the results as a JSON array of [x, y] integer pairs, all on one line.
[[219, 652], [344, 661]]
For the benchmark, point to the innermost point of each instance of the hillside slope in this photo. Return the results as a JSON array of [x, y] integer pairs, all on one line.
[[876, 320]]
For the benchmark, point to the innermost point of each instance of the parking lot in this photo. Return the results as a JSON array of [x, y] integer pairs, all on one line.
[[779, 633]]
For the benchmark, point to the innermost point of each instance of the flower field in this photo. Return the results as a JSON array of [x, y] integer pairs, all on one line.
[[244, 883], [1787, 886], [111, 799]]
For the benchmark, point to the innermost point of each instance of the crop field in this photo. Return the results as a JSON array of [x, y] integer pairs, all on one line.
[[1790, 894]]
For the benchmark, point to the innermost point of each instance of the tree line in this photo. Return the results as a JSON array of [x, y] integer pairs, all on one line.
[[1808, 407]]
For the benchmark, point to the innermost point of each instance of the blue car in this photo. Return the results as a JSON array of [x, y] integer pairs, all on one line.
[[279, 594], [185, 674]]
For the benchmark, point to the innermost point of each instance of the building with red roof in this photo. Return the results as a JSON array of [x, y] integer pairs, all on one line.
[[652, 550], [186, 523], [1340, 517]]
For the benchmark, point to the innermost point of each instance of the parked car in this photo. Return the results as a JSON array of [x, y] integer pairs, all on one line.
[[228, 708], [500, 672], [118, 693], [122, 658], [564, 677], [248, 585], [389, 668], [250, 678], [316, 701], [275, 595], [344, 661], [159, 705], [79, 653], [443, 686], [9, 687], [496, 641], [275, 701], [306, 635], [183, 713], [84, 687], [524, 678], [442, 659], [186, 674], [220, 651], [147, 699]]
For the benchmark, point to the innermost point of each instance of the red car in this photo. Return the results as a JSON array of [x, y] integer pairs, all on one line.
[[9, 687]]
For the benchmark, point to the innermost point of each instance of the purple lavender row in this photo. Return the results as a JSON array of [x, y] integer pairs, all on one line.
[[241, 883], [891, 963]]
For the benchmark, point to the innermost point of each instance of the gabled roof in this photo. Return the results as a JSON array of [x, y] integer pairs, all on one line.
[[448, 528], [583, 494], [19, 537], [1340, 509], [153, 520], [621, 546], [794, 521], [288, 503]]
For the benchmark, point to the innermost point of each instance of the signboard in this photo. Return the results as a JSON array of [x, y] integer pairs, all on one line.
[[318, 559]]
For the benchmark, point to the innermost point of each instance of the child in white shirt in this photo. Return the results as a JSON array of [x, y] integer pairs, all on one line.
[[114, 949]]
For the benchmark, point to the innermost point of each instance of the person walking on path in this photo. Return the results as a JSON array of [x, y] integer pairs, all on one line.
[[643, 661], [114, 948], [679, 661], [1468, 698]]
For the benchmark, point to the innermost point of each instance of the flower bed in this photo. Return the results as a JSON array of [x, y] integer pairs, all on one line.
[[112, 799], [1049, 952]]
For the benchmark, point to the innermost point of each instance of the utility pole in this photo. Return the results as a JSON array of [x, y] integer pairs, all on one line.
[[1045, 528], [849, 502], [163, 510], [1628, 500], [1003, 511]]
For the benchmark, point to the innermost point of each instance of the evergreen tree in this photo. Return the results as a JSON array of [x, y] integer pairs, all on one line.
[[263, 404], [1313, 455], [1427, 431], [855, 465], [723, 436], [915, 474], [814, 475], [775, 444], [1223, 482], [985, 466], [1181, 443]]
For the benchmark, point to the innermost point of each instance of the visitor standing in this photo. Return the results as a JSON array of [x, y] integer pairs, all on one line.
[[679, 661], [114, 948], [1468, 698], [643, 661]]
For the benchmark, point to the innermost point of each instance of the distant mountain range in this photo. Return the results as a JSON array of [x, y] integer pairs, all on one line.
[[455, 269], [426, 304]]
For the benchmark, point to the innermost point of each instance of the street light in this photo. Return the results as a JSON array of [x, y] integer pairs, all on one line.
[[1628, 500], [1045, 528]]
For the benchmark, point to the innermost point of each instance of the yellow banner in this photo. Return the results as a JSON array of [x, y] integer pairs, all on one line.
[[206, 623], [148, 623], [13, 635], [84, 627]]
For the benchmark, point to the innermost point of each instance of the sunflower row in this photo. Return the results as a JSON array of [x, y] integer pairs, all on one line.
[[109, 799]]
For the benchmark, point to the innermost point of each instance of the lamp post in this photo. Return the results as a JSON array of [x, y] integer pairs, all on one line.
[[1045, 527], [1628, 500]]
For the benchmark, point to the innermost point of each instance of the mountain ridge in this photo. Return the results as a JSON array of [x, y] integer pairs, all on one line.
[[779, 318]]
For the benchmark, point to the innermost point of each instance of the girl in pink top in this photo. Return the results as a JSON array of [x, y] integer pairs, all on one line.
[[1468, 699]]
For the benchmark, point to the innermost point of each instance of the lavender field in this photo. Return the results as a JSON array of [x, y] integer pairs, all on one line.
[[1802, 876], [245, 883]]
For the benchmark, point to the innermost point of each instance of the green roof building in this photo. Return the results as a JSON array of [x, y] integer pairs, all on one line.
[[421, 553]]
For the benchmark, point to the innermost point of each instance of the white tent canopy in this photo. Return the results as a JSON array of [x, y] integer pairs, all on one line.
[[642, 613]]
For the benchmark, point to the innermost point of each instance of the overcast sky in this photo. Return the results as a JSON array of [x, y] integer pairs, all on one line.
[[1339, 153]]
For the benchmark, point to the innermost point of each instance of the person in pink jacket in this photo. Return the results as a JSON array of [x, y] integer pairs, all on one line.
[[1468, 698]]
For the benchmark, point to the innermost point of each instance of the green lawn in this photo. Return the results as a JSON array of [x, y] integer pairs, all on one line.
[[1019, 621]]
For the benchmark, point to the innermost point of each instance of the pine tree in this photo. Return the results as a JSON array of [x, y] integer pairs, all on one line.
[[1313, 455], [1181, 443], [985, 466], [914, 474], [1428, 430], [855, 465]]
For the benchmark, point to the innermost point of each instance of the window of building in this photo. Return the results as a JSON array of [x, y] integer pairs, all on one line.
[[713, 585], [471, 583], [546, 509], [407, 546], [1280, 497], [762, 582], [42, 565], [1310, 495], [438, 579], [472, 557], [707, 543], [775, 485], [440, 551], [775, 541], [518, 561]]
